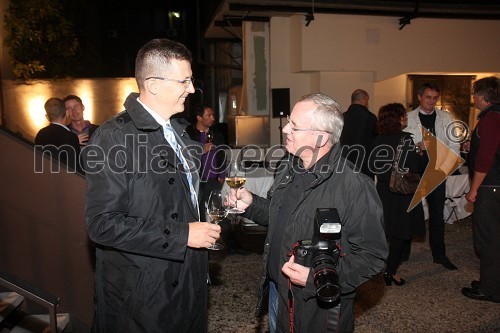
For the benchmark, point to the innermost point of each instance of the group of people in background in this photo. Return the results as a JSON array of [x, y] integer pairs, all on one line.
[[67, 132], [394, 126], [151, 258]]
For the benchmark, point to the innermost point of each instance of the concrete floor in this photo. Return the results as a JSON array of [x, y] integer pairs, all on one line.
[[430, 301]]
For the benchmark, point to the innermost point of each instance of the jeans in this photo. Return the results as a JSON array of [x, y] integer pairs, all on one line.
[[273, 306]]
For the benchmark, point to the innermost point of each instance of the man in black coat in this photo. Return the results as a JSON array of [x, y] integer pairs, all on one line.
[[360, 128], [315, 177], [142, 210], [56, 139]]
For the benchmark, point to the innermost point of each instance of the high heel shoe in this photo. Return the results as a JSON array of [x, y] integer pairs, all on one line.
[[390, 279]]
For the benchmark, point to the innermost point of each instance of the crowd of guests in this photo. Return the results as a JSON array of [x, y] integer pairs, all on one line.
[[67, 132], [395, 126], [151, 258]]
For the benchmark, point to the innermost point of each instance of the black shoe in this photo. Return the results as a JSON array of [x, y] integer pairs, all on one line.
[[478, 295], [390, 279], [445, 262], [475, 284]]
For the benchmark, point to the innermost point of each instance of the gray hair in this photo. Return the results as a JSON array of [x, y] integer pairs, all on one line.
[[327, 116], [489, 88], [155, 57]]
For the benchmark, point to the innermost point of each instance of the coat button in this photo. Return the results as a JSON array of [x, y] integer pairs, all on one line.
[[165, 245], [175, 283], [171, 181], [174, 216], [166, 232]]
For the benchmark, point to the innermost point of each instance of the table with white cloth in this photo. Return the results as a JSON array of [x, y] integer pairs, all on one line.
[[456, 207], [259, 181]]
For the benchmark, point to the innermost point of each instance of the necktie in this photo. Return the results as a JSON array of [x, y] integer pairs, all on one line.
[[170, 136]]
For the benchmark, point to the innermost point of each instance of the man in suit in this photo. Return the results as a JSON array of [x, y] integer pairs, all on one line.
[[57, 140], [81, 127], [360, 128], [436, 122], [142, 207]]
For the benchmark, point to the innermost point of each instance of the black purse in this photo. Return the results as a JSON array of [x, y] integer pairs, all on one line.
[[402, 182]]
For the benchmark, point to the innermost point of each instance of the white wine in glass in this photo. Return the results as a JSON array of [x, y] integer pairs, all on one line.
[[236, 178], [217, 212], [210, 136]]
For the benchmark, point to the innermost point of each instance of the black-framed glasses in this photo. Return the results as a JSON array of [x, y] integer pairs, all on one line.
[[296, 129], [186, 82]]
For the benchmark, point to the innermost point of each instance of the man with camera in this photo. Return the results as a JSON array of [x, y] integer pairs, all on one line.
[[315, 180]]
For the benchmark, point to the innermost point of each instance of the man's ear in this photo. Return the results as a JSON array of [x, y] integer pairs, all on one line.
[[152, 86], [323, 139]]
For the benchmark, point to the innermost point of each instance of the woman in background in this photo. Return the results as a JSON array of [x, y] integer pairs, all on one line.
[[400, 225]]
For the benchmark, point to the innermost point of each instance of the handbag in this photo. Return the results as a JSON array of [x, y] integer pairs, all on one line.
[[402, 182]]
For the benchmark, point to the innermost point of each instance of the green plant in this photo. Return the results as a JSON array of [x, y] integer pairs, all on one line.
[[40, 38]]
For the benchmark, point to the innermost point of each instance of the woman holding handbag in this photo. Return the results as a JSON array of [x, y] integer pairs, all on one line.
[[395, 149]]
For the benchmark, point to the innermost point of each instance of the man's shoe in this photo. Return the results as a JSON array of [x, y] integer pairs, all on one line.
[[475, 284], [478, 295], [445, 262]]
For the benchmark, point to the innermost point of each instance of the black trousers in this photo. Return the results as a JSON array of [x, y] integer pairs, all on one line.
[[435, 202], [486, 221]]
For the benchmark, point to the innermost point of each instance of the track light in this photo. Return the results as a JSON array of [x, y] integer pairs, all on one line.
[[309, 18]]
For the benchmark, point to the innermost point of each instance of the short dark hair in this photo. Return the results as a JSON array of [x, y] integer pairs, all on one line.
[[489, 88], [55, 109], [389, 118], [428, 85], [359, 94], [199, 109], [70, 97], [155, 57]]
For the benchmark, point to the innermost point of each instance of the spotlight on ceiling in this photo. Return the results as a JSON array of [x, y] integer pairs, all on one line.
[[404, 21], [309, 18]]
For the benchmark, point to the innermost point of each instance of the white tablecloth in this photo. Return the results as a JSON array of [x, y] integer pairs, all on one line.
[[258, 182], [455, 206]]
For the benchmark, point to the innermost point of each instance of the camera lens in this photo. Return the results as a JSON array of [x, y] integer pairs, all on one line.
[[327, 288], [326, 279]]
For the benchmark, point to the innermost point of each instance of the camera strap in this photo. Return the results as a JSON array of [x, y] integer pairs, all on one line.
[[291, 307]]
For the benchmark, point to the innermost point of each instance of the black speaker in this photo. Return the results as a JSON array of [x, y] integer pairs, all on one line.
[[281, 102]]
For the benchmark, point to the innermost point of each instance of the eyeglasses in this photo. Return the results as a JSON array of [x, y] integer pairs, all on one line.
[[186, 82], [295, 129]]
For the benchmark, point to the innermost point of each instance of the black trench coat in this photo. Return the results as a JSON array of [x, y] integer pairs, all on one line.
[[138, 209]]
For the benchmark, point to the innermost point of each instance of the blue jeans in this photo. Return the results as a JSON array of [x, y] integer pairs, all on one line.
[[273, 306]]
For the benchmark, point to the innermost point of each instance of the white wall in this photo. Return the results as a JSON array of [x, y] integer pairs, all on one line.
[[24, 111], [337, 54]]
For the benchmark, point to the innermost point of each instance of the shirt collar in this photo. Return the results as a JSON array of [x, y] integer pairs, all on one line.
[[62, 125], [155, 115], [425, 113]]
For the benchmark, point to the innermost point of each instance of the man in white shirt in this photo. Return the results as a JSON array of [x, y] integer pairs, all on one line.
[[436, 122]]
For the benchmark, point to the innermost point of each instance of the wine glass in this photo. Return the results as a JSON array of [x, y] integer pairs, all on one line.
[[235, 178], [210, 136], [217, 212]]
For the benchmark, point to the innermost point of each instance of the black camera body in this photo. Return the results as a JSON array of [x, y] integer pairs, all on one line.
[[322, 254]]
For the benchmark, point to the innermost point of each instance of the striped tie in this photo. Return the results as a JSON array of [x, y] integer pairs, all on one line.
[[170, 136]]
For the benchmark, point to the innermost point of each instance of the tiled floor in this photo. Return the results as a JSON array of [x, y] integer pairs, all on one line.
[[430, 301]]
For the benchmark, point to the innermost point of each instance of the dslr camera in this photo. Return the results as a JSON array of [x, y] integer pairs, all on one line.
[[322, 254]]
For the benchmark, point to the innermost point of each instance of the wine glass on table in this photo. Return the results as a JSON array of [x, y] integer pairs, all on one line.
[[217, 212], [236, 178]]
